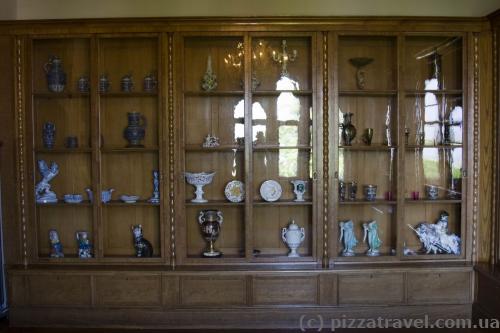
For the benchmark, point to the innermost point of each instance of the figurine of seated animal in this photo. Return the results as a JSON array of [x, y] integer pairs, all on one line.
[[143, 247]]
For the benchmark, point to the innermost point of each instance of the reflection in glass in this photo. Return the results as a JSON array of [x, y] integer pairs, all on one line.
[[259, 119], [239, 120], [239, 130]]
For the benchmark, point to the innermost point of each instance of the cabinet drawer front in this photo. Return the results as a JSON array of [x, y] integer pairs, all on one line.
[[371, 288], [435, 287], [59, 290], [206, 290], [291, 290], [128, 290]]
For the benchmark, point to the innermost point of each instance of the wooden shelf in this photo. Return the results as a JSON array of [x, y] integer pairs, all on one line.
[[374, 147], [63, 150], [61, 203], [129, 94], [129, 150], [60, 95], [223, 148], [361, 257], [279, 92], [368, 93], [453, 146], [215, 93], [282, 203], [435, 92], [278, 147], [138, 203], [215, 203], [437, 201], [366, 202]]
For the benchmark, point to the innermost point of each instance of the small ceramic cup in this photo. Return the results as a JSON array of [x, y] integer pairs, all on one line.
[[72, 142], [370, 192], [432, 192]]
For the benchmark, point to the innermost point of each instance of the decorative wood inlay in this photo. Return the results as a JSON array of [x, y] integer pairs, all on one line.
[[325, 149], [20, 150], [475, 190], [171, 148], [494, 230]]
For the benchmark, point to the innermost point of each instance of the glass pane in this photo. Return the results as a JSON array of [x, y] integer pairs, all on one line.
[[434, 120], [214, 143], [61, 121], [281, 63], [283, 121], [367, 63], [222, 56], [433, 63], [120, 57]]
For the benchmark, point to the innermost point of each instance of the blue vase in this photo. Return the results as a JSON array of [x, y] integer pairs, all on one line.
[[56, 78], [49, 135], [135, 131]]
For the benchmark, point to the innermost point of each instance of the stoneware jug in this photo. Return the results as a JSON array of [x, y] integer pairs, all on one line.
[[56, 78]]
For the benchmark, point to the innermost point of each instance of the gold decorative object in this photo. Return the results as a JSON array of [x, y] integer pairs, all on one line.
[[283, 58]]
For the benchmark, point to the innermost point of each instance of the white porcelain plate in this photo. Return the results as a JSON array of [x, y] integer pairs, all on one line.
[[270, 190], [129, 198], [235, 191]]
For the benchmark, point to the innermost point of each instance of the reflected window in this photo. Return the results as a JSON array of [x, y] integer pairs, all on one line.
[[259, 120], [288, 115], [239, 120]]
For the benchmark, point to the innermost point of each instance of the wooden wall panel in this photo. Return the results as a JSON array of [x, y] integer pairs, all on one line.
[[285, 290], [17, 290], [371, 289], [58, 289], [210, 291], [439, 287], [128, 290]]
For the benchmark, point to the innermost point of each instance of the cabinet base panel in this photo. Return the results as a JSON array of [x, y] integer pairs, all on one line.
[[272, 318]]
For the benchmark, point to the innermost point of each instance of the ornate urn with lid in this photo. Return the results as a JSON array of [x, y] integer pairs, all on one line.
[[293, 236]]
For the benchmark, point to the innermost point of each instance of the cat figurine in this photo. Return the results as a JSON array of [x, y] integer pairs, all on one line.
[[143, 247]]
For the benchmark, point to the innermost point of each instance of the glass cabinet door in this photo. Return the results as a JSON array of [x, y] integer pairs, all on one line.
[[214, 147], [128, 86], [61, 154], [247, 146], [282, 145], [435, 130], [367, 148]]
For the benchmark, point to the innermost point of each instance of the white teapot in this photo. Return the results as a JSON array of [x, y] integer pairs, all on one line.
[[293, 236]]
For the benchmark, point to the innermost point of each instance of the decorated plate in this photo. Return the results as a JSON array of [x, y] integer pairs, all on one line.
[[270, 190], [235, 191], [129, 198]]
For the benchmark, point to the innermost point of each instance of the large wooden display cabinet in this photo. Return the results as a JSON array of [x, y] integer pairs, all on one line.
[[276, 119]]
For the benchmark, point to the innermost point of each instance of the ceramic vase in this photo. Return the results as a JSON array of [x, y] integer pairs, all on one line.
[[49, 135], [210, 222], [348, 129], [136, 129], [56, 77], [293, 236]]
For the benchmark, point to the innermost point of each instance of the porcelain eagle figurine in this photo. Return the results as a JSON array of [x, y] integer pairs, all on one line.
[[42, 189]]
